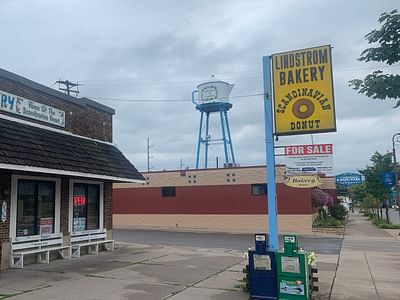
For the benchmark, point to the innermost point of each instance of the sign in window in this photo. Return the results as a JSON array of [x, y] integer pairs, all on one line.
[[86, 206]]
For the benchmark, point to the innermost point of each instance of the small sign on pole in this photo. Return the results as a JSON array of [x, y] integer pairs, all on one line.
[[387, 179], [348, 179], [303, 181]]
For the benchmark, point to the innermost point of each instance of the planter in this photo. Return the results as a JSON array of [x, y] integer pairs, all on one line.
[[329, 230]]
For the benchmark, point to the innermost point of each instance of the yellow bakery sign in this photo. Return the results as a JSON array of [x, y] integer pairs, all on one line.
[[302, 181], [303, 91]]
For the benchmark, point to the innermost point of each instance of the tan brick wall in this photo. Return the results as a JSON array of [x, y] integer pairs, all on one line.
[[328, 183], [243, 175], [214, 223]]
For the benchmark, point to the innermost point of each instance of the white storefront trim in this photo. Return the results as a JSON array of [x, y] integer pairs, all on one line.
[[67, 173], [14, 203], [71, 207]]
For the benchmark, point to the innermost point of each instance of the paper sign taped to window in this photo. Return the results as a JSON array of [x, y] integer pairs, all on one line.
[[290, 264], [46, 226], [79, 224], [262, 262]]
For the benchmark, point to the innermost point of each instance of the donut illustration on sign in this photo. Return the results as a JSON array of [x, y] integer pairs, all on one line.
[[303, 108]]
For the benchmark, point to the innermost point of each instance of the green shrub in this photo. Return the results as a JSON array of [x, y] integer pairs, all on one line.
[[338, 211], [327, 222], [381, 223]]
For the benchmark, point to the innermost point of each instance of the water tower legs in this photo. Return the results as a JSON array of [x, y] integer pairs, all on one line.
[[226, 137], [229, 136], [221, 114], [199, 140], [206, 140]]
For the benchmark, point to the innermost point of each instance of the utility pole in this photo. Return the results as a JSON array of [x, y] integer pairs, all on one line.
[[148, 154], [68, 87], [396, 140]]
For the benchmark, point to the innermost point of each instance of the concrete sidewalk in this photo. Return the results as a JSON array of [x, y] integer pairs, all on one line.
[[135, 271], [369, 263], [132, 272], [368, 268]]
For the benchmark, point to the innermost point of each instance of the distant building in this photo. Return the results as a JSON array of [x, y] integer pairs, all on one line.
[[226, 200], [57, 166]]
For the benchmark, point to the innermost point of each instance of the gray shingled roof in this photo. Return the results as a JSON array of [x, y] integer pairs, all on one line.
[[25, 145]]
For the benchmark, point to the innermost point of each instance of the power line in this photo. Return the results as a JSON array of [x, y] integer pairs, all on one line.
[[131, 81], [195, 80], [168, 100]]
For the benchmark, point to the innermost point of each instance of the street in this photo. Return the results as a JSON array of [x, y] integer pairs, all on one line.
[[319, 244]]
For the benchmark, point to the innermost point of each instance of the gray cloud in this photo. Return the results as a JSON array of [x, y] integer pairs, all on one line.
[[163, 49]]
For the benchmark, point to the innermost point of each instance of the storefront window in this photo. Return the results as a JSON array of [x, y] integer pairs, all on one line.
[[35, 207], [259, 189], [86, 207], [168, 191]]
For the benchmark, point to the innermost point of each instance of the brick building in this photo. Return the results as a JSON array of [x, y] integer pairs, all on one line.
[[57, 166], [227, 200]]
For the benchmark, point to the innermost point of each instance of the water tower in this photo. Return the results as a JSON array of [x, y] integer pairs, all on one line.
[[212, 98]]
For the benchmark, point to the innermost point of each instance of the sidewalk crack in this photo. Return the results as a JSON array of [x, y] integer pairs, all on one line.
[[337, 264], [370, 273], [193, 284]]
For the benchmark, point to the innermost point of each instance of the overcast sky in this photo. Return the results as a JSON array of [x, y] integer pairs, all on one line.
[[153, 50]]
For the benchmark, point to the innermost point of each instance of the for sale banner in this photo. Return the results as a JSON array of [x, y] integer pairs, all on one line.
[[309, 159]]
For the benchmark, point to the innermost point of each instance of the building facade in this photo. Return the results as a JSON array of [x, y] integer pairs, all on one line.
[[226, 200], [57, 167]]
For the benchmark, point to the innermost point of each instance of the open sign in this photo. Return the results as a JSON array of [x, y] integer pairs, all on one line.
[[79, 200]]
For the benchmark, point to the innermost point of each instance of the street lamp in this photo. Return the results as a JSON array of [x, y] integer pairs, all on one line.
[[396, 141]]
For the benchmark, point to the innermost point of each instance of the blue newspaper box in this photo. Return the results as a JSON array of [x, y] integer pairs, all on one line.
[[262, 270]]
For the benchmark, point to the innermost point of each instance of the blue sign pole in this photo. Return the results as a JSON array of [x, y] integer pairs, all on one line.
[[270, 157]]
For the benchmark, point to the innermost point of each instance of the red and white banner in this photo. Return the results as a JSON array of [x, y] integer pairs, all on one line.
[[309, 159]]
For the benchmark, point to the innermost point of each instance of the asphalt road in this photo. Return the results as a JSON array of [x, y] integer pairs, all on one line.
[[321, 245]]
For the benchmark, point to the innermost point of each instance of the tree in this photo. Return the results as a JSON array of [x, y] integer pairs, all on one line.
[[321, 199], [379, 85], [358, 192], [381, 163], [369, 204]]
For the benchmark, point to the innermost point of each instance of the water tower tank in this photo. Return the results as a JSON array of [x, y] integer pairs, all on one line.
[[210, 98], [214, 91]]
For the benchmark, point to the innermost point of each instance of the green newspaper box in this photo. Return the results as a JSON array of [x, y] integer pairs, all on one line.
[[293, 271]]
